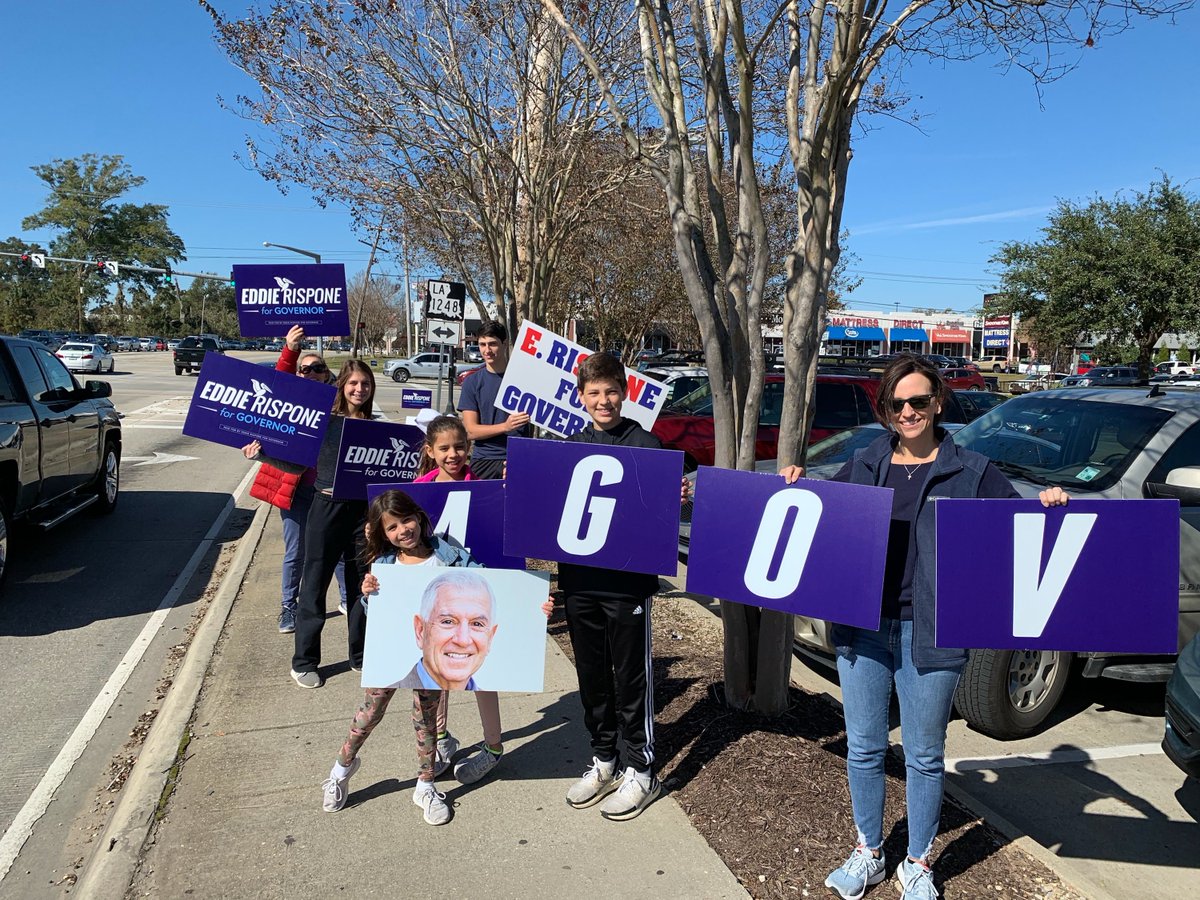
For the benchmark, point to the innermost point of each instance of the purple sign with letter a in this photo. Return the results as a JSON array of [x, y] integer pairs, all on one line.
[[593, 504], [471, 512], [1098, 575], [814, 548], [373, 453], [236, 402], [273, 298]]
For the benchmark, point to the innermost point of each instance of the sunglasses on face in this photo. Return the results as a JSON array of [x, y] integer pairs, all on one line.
[[921, 401], [318, 368]]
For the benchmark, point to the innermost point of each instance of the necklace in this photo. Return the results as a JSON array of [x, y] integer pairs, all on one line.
[[911, 472]]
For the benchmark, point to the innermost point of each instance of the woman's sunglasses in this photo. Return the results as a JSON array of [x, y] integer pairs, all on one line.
[[921, 401], [318, 368]]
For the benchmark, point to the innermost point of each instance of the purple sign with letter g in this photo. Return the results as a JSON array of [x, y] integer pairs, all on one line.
[[814, 548], [1094, 575], [236, 402], [273, 298], [373, 453], [593, 504], [471, 512]]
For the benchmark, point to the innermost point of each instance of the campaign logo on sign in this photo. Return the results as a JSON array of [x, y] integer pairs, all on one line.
[[374, 452], [471, 512], [597, 505], [414, 398], [236, 402], [814, 548], [540, 381], [1094, 575], [271, 299]]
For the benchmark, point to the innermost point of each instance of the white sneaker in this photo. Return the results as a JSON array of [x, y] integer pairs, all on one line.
[[635, 794], [432, 802], [476, 766], [595, 783], [446, 748], [338, 789]]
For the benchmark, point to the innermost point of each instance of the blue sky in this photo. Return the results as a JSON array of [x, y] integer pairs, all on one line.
[[926, 208]]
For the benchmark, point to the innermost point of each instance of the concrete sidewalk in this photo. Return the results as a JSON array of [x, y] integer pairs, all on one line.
[[246, 821]]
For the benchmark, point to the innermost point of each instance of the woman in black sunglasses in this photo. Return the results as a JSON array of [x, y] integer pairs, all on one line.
[[289, 487], [917, 460]]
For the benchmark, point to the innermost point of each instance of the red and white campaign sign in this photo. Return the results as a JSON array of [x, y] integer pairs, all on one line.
[[540, 380]]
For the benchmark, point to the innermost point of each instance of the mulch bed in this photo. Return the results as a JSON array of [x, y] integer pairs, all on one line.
[[770, 794]]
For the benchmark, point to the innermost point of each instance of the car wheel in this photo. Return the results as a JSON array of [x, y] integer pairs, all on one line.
[[400, 376], [178, 371], [974, 387], [108, 480], [1008, 694]]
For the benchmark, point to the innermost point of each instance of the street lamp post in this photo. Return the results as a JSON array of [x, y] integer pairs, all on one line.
[[316, 257]]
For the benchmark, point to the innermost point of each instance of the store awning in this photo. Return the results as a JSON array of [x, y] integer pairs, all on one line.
[[951, 336], [849, 333], [909, 334]]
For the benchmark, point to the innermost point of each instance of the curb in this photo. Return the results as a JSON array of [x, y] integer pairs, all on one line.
[[112, 866], [706, 607]]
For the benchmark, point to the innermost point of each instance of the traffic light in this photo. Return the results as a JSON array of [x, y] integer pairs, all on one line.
[[26, 262], [167, 277], [101, 268], [232, 283]]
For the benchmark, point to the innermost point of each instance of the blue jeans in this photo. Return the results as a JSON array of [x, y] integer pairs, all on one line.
[[875, 660], [293, 547]]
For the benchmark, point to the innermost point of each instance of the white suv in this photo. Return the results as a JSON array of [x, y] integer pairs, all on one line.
[[994, 363]]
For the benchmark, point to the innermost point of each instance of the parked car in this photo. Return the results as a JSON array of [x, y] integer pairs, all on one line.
[[976, 403], [423, 365], [1106, 376], [60, 444], [680, 381], [1040, 382], [674, 358], [125, 344], [463, 370], [1181, 742], [86, 358], [147, 343], [173, 344], [646, 355], [994, 363], [1095, 444], [962, 362], [1174, 367], [960, 379]]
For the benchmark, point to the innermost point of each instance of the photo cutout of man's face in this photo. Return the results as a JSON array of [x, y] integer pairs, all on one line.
[[457, 636]]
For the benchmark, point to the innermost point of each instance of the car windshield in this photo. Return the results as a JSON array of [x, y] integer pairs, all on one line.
[[1078, 444], [697, 403], [838, 448]]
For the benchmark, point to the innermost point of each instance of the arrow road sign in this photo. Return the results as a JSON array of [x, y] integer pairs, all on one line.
[[112, 268], [38, 260], [447, 300], [439, 332]]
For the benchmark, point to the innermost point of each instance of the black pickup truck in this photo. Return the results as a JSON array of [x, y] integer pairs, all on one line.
[[60, 444], [190, 353]]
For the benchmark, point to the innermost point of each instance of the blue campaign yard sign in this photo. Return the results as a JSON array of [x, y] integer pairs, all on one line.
[[273, 298], [373, 452], [415, 398]]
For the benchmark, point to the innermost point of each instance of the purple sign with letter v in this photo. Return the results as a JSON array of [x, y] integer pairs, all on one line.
[[814, 548], [273, 298], [471, 512], [236, 402], [373, 453], [1098, 575], [593, 504]]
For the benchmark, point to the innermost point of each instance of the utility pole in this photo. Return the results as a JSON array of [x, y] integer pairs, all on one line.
[[407, 296], [366, 288]]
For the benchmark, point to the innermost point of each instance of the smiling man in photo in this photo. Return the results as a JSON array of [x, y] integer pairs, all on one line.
[[454, 630]]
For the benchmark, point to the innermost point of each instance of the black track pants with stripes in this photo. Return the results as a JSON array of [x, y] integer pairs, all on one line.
[[611, 640]]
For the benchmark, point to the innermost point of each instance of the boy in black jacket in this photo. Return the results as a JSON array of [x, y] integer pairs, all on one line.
[[608, 615]]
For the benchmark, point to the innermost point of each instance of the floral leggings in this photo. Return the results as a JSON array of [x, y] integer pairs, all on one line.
[[428, 718]]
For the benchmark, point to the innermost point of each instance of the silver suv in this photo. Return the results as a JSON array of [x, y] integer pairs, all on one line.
[[1095, 444]]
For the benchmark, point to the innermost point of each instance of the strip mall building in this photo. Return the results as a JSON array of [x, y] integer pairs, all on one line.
[[857, 333]]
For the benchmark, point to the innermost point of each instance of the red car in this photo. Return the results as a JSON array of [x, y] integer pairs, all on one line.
[[964, 379], [842, 401]]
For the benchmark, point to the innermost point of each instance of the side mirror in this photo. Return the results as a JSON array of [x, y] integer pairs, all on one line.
[[1182, 484], [98, 388]]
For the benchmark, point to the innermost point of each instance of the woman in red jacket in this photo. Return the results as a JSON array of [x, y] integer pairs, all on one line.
[[291, 489]]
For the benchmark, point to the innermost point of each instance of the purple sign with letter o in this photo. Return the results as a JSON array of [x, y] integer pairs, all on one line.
[[273, 298], [236, 402], [375, 452], [1094, 575], [814, 548], [471, 512], [593, 504]]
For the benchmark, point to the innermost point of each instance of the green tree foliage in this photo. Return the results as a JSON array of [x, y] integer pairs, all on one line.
[[1126, 270], [85, 212]]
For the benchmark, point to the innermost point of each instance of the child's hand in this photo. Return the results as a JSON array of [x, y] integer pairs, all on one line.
[[295, 338], [251, 450], [1054, 496], [548, 607], [791, 474], [685, 491], [370, 584]]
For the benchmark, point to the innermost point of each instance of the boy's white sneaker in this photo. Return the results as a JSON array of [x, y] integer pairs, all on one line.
[[594, 785], [637, 791]]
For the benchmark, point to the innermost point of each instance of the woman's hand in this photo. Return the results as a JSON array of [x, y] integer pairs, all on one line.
[[548, 607], [251, 450], [792, 474], [370, 584], [1054, 496], [685, 491], [295, 338]]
